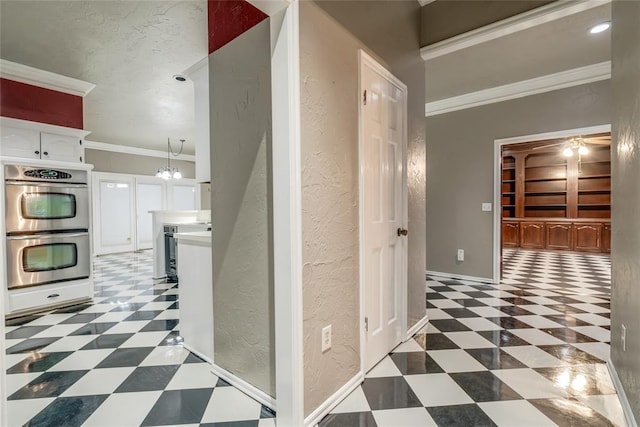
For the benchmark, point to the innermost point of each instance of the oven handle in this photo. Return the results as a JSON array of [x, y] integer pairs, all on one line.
[[45, 184], [47, 236]]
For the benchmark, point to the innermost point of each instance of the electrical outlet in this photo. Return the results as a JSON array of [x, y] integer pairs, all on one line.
[[486, 207], [460, 255], [624, 338], [326, 338]]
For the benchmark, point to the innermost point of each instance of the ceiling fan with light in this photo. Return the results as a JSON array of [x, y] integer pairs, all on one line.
[[577, 145]]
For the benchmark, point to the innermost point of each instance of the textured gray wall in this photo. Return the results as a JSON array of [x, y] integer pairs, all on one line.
[[447, 18], [331, 34], [625, 220], [241, 211], [460, 167], [107, 161]]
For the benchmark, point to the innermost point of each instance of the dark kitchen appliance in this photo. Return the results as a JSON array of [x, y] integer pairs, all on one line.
[[170, 253]]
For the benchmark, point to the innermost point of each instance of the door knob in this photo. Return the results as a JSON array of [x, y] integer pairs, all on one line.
[[402, 231]]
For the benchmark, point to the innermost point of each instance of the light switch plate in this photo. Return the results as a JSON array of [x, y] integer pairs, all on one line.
[[326, 338], [486, 207]]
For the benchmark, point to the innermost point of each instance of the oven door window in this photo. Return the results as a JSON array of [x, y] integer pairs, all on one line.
[[49, 257], [48, 206]]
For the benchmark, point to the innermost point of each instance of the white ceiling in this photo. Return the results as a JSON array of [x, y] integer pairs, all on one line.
[[129, 49], [549, 48]]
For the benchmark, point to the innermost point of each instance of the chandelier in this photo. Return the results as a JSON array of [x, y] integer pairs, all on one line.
[[168, 172]]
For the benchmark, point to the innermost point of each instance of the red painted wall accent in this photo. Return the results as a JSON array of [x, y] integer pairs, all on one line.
[[27, 102], [230, 18]]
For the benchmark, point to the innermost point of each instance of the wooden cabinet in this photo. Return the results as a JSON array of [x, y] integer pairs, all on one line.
[[587, 237], [606, 238], [532, 235], [555, 202], [20, 138], [510, 234], [559, 235]]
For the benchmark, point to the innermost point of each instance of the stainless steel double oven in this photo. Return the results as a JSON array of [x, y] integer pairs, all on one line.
[[47, 225]]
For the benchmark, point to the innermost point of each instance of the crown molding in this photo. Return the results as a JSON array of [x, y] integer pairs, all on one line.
[[425, 2], [548, 83], [48, 80], [541, 15], [125, 149]]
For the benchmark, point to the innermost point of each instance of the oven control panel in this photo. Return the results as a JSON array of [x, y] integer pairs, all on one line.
[[40, 174], [47, 174]]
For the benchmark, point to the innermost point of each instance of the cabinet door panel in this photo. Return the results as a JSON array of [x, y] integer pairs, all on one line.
[[18, 142], [588, 237], [606, 238], [532, 235], [510, 234], [61, 147], [559, 235]]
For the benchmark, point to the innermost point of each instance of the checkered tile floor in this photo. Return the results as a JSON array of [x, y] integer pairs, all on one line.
[[118, 362], [530, 351]]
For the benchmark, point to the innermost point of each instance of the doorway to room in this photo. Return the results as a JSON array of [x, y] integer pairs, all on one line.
[[554, 194]]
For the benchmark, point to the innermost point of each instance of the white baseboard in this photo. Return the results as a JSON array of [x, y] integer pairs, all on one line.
[[321, 411], [415, 328], [626, 408], [245, 387], [197, 353], [460, 276]]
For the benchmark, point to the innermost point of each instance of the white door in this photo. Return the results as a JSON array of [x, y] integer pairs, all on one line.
[[383, 209], [63, 148], [149, 197], [16, 142], [114, 214]]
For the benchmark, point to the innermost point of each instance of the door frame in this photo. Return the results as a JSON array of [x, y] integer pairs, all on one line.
[[497, 180], [364, 59]]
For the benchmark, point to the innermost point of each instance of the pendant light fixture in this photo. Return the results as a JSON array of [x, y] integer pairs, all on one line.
[[168, 172]]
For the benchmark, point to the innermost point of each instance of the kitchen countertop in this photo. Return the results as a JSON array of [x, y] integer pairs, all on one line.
[[194, 237]]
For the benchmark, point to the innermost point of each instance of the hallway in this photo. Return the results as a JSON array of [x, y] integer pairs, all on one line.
[[528, 352]]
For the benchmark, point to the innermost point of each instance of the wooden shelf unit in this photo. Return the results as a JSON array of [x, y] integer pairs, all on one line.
[[550, 201]]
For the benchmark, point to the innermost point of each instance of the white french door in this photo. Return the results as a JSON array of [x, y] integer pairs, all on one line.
[[113, 213], [383, 209], [150, 196]]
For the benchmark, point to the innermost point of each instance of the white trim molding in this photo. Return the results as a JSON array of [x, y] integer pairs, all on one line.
[[416, 328], [195, 67], [245, 387], [333, 400], [46, 79], [43, 127], [622, 395], [125, 149], [425, 2], [523, 21], [460, 277], [548, 83]]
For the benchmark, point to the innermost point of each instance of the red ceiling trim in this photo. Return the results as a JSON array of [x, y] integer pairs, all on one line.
[[230, 18], [37, 104]]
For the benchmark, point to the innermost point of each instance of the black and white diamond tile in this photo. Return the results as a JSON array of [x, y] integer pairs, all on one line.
[[530, 351], [117, 362]]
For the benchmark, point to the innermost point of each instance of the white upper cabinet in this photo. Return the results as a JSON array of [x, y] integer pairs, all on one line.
[[21, 138], [61, 147], [18, 142]]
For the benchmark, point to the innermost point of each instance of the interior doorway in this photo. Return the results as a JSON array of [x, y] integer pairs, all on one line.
[[553, 192]]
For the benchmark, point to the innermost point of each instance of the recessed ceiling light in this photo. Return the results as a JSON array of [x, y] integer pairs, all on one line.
[[180, 77], [600, 28]]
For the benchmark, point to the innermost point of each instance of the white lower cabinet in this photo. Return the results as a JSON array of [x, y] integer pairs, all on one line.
[[196, 293], [47, 295]]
